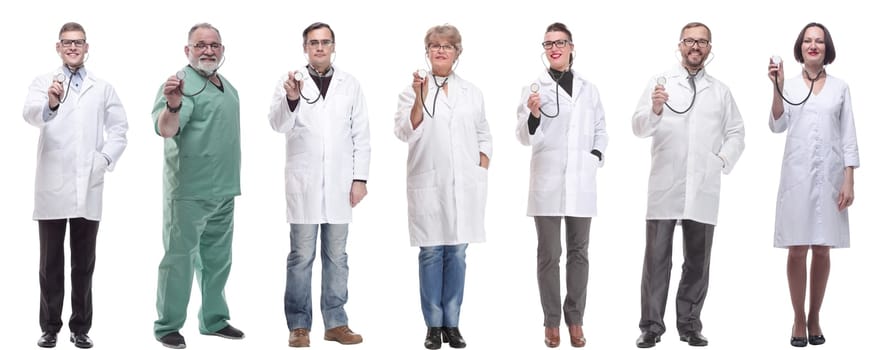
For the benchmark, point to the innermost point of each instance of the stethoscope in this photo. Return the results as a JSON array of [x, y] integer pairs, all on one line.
[[181, 74], [534, 88], [299, 77], [422, 73], [662, 81], [60, 78], [777, 61]]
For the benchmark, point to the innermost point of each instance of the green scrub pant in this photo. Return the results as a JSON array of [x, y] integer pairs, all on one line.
[[197, 235]]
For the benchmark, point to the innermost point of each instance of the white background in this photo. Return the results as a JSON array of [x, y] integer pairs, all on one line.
[[619, 46]]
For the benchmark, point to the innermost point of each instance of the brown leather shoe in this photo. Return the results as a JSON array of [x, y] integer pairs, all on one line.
[[552, 337], [299, 338], [577, 338], [343, 335]]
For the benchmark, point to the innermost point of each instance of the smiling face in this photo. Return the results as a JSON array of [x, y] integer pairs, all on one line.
[[204, 50], [558, 57], [694, 54], [814, 48], [72, 48], [442, 53]]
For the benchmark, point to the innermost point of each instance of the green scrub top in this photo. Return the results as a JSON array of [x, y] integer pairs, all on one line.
[[203, 160]]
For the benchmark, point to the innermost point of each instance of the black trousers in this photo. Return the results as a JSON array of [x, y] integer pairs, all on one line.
[[692, 290], [83, 234]]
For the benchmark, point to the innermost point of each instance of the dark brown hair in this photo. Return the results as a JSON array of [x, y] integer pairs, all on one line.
[[829, 49]]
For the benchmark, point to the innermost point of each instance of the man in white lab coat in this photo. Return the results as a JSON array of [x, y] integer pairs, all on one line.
[[697, 134], [82, 135], [323, 114]]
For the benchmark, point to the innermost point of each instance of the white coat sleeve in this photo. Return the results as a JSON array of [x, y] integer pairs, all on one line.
[[37, 101], [848, 132], [733, 139], [601, 138], [281, 118], [116, 126], [644, 122], [361, 136], [523, 130], [403, 127], [783, 122], [485, 140]]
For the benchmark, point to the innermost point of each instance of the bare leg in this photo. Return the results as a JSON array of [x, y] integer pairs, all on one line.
[[820, 272], [796, 279]]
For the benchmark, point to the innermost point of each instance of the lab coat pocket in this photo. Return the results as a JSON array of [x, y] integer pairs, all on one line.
[[296, 181], [99, 167], [588, 173], [423, 194], [713, 171], [49, 169]]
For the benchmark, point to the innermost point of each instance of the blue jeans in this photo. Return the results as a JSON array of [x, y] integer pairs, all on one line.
[[442, 279], [335, 274]]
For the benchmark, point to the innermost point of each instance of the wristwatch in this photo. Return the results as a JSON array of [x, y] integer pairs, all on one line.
[[175, 109]]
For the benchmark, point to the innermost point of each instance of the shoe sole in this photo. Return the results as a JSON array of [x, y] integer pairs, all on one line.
[[226, 336], [344, 343], [170, 346]]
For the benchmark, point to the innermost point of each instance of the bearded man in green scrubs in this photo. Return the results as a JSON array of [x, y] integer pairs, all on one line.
[[197, 112]]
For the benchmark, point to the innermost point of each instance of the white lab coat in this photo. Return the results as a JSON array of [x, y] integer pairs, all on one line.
[[70, 154], [446, 188], [821, 142], [327, 146], [689, 151], [563, 172]]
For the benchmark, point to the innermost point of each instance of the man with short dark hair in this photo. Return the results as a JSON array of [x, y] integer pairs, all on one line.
[[323, 114], [82, 135]]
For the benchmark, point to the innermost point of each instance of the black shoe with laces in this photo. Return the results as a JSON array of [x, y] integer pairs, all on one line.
[[433, 338], [81, 340], [452, 335], [48, 340]]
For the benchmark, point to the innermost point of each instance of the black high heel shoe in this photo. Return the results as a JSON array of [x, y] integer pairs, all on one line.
[[816, 339], [433, 338], [799, 342]]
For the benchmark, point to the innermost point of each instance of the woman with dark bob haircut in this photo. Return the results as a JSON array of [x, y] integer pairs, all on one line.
[[817, 173]]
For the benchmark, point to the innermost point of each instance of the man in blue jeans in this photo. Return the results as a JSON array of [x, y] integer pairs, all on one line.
[[326, 170]]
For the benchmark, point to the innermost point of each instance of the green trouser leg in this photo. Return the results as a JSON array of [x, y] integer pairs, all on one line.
[[197, 235]]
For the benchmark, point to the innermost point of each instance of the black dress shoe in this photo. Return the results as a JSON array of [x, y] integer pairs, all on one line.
[[81, 340], [48, 340], [648, 339], [452, 335], [816, 339], [799, 342], [229, 332], [694, 338], [173, 340], [433, 338]]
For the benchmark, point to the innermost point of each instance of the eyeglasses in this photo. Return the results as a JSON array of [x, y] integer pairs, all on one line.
[[439, 47], [559, 43], [74, 42], [202, 46], [323, 43], [689, 42]]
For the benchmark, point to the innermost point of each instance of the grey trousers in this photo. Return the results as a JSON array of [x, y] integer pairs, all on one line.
[[697, 241], [548, 268]]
